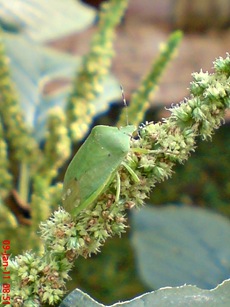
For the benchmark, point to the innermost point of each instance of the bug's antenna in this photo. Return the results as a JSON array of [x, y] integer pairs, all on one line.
[[125, 104]]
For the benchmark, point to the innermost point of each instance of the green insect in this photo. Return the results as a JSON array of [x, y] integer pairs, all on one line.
[[95, 165]]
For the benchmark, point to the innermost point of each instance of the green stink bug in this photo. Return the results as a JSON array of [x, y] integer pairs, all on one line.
[[95, 165]]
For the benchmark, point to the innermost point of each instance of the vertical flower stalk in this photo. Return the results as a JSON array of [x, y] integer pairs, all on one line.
[[95, 67], [139, 102], [56, 152], [22, 145], [57, 145], [23, 150]]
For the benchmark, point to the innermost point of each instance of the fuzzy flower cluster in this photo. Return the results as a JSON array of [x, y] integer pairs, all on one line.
[[41, 279], [150, 160], [153, 155], [171, 141]]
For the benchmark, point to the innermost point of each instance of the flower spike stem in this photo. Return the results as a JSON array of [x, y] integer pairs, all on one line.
[[95, 67], [139, 102]]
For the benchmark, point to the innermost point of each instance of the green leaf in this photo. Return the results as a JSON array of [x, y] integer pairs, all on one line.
[[34, 67], [45, 20], [165, 297], [178, 245]]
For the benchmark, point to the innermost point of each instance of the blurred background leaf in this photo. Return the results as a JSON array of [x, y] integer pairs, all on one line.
[[45, 20], [178, 245], [180, 297], [36, 70]]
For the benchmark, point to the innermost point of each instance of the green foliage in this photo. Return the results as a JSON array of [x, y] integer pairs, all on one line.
[[151, 157], [39, 276], [29, 169]]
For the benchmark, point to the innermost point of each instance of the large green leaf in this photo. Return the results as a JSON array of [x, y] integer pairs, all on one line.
[[178, 245], [34, 67], [165, 297], [45, 20]]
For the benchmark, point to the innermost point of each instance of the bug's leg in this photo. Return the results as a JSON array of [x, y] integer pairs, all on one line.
[[141, 150], [118, 187], [132, 173], [149, 151]]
